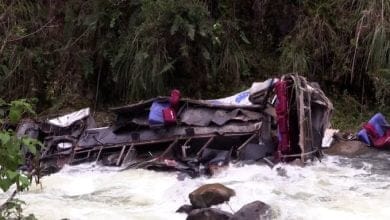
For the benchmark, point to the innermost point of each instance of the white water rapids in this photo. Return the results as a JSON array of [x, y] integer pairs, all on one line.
[[336, 188]]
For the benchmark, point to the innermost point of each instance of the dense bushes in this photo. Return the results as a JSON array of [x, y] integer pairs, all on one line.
[[70, 53], [344, 42]]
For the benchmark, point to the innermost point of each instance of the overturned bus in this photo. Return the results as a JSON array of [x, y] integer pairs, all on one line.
[[278, 120]]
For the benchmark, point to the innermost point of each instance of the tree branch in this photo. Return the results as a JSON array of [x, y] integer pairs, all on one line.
[[4, 205], [3, 45], [32, 33]]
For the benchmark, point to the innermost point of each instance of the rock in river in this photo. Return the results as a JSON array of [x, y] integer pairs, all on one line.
[[208, 214], [347, 148], [185, 209], [210, 194], [256, 210]]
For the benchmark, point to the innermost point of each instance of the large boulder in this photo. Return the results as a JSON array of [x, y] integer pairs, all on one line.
[[347, 148], [256, 210], [210, 194], [208, 214]]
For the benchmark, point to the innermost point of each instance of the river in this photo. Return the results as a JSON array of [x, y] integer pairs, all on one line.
[[335, 188]]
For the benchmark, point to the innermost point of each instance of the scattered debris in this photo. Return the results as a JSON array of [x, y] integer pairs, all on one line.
[[374, 135], [328, 137]]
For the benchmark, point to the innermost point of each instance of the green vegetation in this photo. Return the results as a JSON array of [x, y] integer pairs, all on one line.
[[12, 156], [77, 53], [74, 53], [350, 114]]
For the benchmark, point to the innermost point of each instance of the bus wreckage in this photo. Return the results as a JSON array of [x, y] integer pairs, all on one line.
[[278, 120]]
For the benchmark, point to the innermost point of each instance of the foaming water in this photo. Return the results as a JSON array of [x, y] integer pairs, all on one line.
[[336, 188]]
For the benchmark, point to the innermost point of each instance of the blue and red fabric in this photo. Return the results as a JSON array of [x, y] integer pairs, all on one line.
[[376, 132]]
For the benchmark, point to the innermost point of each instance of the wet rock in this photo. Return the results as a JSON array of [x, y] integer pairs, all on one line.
[[49, 169], [210, 194], [347, 148], [256, 210], [208, 214], [281, 171], [185, 209]]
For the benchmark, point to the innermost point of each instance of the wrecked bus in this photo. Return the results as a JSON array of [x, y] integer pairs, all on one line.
[[278, 120]]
